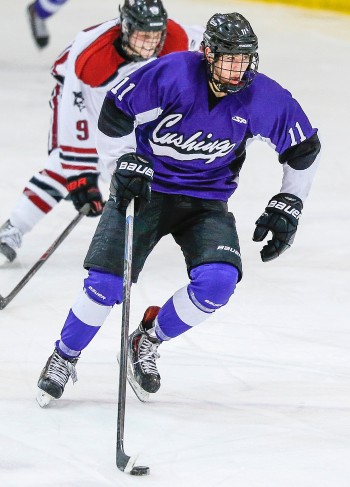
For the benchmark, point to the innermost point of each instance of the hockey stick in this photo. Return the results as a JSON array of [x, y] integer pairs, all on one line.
[[4, 301], [124, 462]]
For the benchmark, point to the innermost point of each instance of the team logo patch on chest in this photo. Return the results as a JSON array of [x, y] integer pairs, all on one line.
[[238, 119], [199, 145], [79, 100]]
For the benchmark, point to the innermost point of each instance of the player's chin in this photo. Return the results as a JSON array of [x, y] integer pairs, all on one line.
[[147, 53], [229, 81], [143, 53], [234, 82]]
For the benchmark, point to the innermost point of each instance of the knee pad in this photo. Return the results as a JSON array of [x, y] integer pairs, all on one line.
[[212, 284], [104, 288]]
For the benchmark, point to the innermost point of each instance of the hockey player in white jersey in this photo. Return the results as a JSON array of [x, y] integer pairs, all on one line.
[[98, 58]]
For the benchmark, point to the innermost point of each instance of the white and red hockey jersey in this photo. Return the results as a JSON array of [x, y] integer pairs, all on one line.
[[85, 71]]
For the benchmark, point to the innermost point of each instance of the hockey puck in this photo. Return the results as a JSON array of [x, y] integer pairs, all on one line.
[[139, 471]]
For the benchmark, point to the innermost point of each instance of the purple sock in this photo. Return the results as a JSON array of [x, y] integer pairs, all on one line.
[[210, 288], [47, 8], [101, 291]]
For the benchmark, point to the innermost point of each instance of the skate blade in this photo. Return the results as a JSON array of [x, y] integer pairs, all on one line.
[[7, 254], [140, 393], [3, 260], [43, 398]]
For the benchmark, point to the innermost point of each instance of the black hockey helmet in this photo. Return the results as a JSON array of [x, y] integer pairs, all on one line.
[[144, 16], [230, 34]]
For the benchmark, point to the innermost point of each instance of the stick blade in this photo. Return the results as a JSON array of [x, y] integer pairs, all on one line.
[[124, 462]]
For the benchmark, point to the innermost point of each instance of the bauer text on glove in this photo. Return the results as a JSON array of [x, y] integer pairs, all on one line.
[[281, 218], [132, 179]]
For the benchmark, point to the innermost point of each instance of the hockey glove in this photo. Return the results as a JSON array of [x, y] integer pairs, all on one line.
[[132, 179], [84, 189], [280, 218]]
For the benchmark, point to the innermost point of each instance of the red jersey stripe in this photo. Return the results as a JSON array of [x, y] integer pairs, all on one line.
[[78, 168], [37, 201], [53, 175], [60, 60]]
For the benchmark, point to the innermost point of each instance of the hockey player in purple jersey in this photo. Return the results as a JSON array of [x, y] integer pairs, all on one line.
[[175, 133]]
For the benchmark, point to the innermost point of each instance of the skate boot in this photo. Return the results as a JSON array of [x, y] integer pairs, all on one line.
[[38, 27], [143, 346], [10, 240], [54, 377]]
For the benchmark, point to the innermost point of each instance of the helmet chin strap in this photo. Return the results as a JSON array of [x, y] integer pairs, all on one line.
[[215, 89], [213, 83], [218, 88]]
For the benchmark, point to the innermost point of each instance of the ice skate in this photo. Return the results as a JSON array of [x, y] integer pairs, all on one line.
[[10, 241], [38, 27], [54, 377], [143, 375]]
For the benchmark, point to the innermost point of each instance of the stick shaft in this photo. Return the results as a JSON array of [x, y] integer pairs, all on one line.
[[122, 458], [4, 301]]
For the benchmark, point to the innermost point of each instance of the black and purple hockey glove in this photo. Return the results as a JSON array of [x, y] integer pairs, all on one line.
[[132, 179], [84, 189], [281, 218]]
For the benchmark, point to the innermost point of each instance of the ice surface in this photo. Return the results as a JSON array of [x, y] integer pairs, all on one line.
[[258, 396]]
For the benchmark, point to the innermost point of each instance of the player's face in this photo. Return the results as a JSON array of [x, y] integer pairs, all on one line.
[[144, 44], [229, 68]]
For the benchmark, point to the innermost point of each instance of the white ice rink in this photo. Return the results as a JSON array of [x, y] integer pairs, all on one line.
[[259, 395]]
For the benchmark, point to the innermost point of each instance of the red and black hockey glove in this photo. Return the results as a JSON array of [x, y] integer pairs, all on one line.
[[132, 179], [84, 189], [281, 218]]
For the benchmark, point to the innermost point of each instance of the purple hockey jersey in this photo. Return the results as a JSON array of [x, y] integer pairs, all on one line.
[[197, 148]]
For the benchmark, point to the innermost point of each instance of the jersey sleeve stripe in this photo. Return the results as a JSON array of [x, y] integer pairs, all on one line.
[[78, 150], [80, 159], [37, 201], [53, 175], [78, 168], [54, 102]]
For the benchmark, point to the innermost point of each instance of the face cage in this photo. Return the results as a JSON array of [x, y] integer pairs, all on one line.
[[247, 78], [128, 30]]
